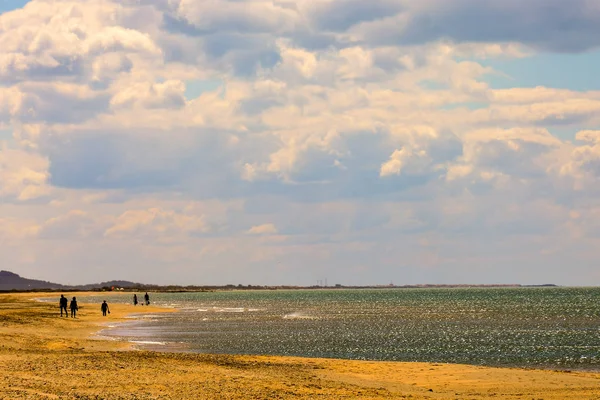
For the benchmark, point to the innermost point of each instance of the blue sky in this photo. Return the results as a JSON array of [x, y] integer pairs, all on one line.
[[259, 143], [8, 5], [577, 71], [195, 88]]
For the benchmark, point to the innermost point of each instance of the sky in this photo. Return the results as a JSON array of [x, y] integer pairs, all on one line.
[[288, 142]]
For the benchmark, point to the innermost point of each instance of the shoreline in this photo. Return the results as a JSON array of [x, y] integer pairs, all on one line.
[[121, 317], [43, 356]]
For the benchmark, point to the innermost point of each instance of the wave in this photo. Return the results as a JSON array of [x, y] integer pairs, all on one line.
[[229, 309], [44, 299], [148, 342], [297, 315]]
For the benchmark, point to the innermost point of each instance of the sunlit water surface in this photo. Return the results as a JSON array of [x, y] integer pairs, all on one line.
[[534, 327]]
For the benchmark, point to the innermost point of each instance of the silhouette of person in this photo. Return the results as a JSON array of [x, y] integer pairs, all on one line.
[[135, 300], [147, 298], [73, 306], [63, 305], [104, 308]]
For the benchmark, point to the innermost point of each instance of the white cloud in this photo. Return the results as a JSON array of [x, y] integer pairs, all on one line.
[[264, 229], [169, 94], [588, 136], [243, 17], [157, 222], [583, 165], [16, 230], [76, 224], [23, 175]]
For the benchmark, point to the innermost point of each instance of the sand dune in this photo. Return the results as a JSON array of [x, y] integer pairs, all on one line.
[[45, 357]]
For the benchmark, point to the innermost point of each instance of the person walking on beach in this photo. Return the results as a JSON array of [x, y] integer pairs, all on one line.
[[147, 298], [104, 308], [135, 300], [73, 307], [63, 305]]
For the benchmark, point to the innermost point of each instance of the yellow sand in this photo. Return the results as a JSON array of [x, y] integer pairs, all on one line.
[[45, 357]]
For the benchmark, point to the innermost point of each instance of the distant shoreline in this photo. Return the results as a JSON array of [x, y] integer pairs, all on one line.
[[13, 283], [185, 289]]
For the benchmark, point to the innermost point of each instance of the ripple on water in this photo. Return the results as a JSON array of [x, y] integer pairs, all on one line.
[[532, 327]]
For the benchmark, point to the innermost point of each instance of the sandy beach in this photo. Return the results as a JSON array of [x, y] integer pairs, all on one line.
[[43, 356]]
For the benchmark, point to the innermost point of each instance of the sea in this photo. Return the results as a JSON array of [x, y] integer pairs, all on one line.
[[542, 327]]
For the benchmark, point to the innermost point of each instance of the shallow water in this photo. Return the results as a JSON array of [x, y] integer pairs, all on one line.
[[528, 327]]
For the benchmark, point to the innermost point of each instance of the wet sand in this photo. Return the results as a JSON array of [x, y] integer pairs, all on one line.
[[45, 357]]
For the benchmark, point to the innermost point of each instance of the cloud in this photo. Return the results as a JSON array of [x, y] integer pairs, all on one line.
[[545, 25], [341, 15], [169, 94], [584, 162], [58, 41], [23, 176], [264, 229], [155, 222], [76, 224], [58, 103], [14, 230], [243, 17], [588, 136], [425, 151]]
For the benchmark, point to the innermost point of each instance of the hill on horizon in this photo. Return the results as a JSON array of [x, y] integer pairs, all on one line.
[[11, 281]]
